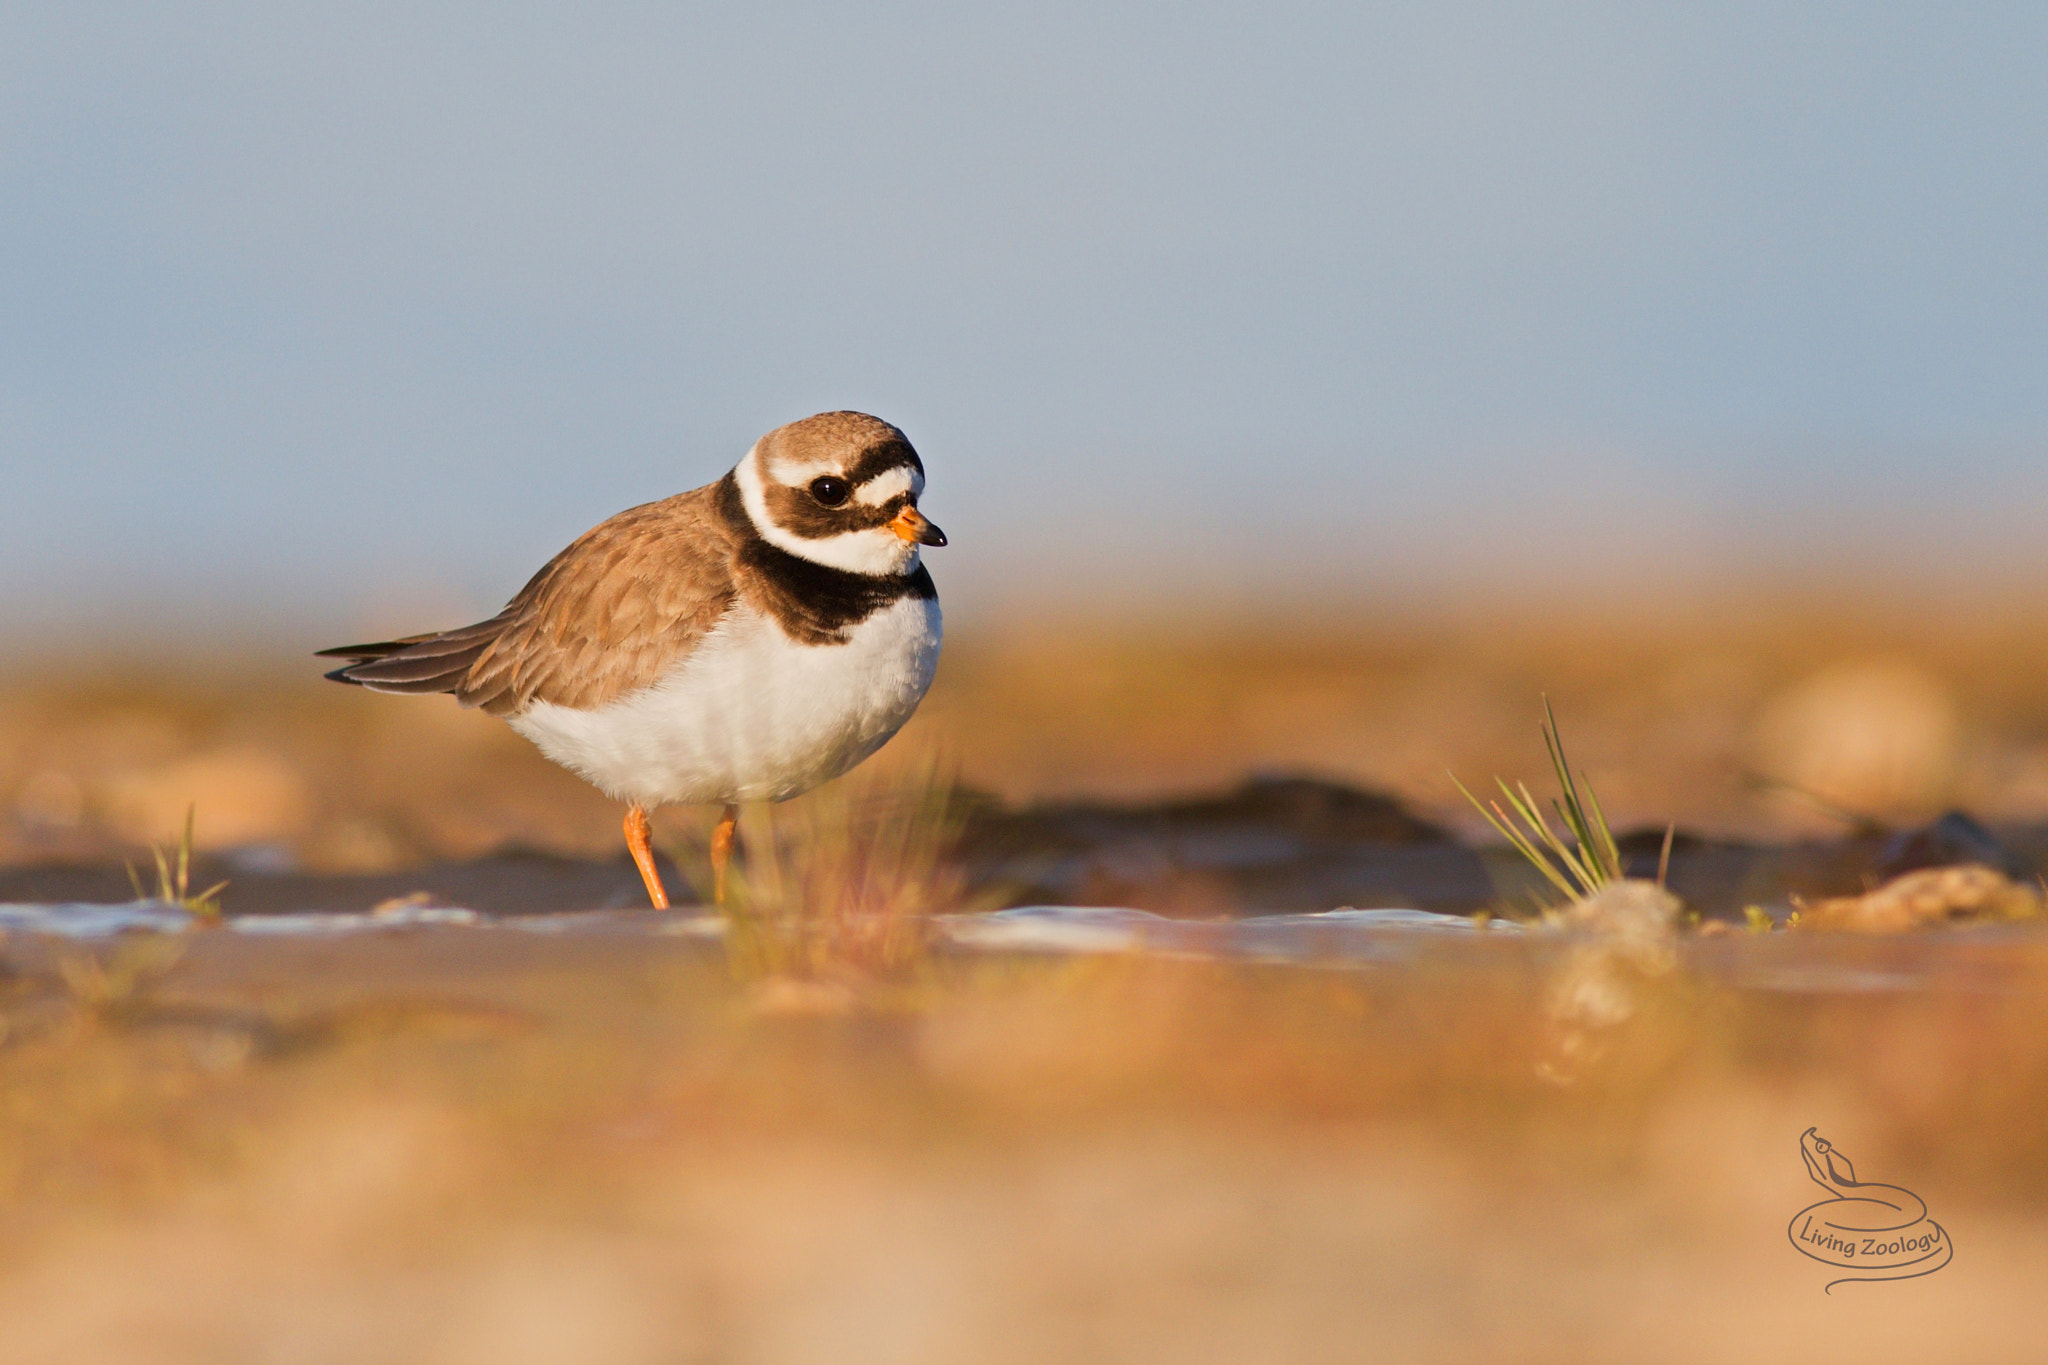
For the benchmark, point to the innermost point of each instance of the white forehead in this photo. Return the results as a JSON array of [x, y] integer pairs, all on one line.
[[794, 472], [889, 483]]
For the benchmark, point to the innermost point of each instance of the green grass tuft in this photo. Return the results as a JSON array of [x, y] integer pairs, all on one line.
[[174, 878], [1581, 860]]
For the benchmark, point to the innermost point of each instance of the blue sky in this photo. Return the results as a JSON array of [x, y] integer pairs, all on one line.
[[315, 313]]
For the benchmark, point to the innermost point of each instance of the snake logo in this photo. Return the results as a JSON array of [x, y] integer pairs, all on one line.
[[1881, 1231]]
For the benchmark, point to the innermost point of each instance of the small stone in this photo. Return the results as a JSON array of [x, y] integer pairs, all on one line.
[[1918, 900]]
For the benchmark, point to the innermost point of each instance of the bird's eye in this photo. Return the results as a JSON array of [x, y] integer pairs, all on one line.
[[830, 491]]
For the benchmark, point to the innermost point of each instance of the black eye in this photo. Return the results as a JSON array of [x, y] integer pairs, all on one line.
[[830, 491]]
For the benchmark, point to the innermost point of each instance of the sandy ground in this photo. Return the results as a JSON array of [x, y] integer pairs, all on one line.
[[463, 1145]]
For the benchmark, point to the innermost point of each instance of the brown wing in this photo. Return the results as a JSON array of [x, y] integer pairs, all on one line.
[[607, 616]]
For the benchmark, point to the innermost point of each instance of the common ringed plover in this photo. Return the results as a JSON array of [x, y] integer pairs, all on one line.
[[744, 641]]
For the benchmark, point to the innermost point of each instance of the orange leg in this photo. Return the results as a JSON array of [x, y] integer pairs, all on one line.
[[643, 855], [721, 850]]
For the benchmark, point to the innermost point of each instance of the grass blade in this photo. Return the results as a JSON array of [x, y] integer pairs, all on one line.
[[1581, 860]]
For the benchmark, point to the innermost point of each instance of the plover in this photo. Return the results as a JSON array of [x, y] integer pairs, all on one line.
[[744, 641]]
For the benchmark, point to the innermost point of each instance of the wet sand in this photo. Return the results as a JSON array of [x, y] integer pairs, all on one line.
[[1268, 846]]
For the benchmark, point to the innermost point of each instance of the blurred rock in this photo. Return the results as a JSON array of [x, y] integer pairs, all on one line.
[[1309, 807], [240, 795], [1635, 920], [1919, 900], [262, 860], [1872, 737], [1951, 841], [1628, 935], [1274, 842], [1266, 813]]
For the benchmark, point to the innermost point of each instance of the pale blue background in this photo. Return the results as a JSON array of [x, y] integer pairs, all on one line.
[[314, 317]]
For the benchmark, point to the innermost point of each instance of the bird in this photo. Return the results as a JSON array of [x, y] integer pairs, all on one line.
[[744, 641]]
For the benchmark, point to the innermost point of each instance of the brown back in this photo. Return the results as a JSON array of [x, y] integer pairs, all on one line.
[[605, 617]]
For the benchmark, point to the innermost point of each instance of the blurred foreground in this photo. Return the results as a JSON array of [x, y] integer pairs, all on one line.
[[458, 1145]]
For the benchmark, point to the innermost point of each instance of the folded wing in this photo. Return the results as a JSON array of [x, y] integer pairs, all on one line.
[[607, 616]]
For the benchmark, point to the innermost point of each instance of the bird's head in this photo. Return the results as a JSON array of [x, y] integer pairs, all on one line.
[[839, 489]]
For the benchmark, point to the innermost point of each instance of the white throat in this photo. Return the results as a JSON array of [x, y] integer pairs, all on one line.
[[876, 551]]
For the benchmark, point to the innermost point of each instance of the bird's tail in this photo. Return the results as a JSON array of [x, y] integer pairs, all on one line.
[[440, 662]]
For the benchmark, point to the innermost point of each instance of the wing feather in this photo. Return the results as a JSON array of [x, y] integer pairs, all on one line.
[[607, 616]]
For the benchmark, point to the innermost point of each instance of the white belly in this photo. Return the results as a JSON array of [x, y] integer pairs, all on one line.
[[751, 715]]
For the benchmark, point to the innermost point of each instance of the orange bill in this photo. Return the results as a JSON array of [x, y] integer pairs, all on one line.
[[913, 527]]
